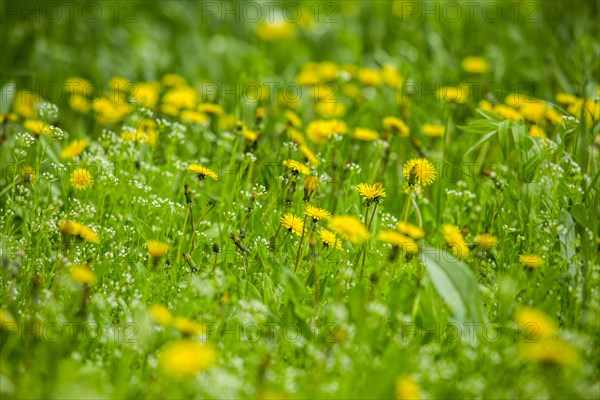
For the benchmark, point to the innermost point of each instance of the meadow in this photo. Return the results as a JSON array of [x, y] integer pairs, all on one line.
[[300, 199]]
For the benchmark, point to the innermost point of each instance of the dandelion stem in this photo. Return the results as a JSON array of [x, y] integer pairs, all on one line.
[[299, 255], [281, 243]]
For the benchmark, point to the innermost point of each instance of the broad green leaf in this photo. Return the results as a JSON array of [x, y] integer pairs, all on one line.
[[456, 284], [579, 214]]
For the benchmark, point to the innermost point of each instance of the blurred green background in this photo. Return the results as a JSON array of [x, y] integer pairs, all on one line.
[[550, 44]]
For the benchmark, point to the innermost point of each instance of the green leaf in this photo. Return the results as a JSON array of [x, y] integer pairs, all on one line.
[[504, 137], [579, 214], [489, 115], [530, 168], [456, 284], [481, 141], [294, 287]]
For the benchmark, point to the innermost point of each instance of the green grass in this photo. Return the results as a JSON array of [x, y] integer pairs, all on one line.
[[482, 326]]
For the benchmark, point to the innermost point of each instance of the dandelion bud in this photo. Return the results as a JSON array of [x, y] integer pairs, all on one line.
[[188, 194], [310, 187], [215, 248]]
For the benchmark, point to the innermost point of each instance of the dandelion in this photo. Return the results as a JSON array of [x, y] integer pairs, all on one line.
[[394, 124], [407, 389], [275, 30], [210, 109], [195, 117], [161, 314], [186, 358], [398, 240], [187, 326], [82, 274], [293, 119], [317, 214], [329, 239], [536, 131], [418, 171], [310, 156], [365, 134], [38, 127], [77, 229], [475, 65], [75, 148], [552, 351], [371, 193], [156, 249], [433, 130], [81, 179], [320, 131], [330, 109], [296, 167], [486, 241], [545, 327], [410, 230], [531, 260], [202, 172], [349, 228], [454, 94], [310, 187], [293, 224], [456, 241]]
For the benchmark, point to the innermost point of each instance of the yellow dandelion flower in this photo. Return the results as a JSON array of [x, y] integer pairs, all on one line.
[[418, 171], [202, 172], [316, 213], [320, 131], [188, 326], [161, 314], [475, 65], [536, 131], [310, 156], [394, 124], [250, 136], [349, 228], [456, 94], [456, 241], [507, 112], [365, 134], [544, 326], [433, 130], [391, 76], [275, 30], [146, 94], [79, 103], [293, 119], [531, 260], [330, 109], [296, 167], [82, 274], [173, 80], [410, 230], [554, 116], [74, 228], [81, 179], [186, 358], [195, 117], [551, 351], [157, 249], [371, 193], [38, 127], [534, 111], [88, 234], [485, 105], [369, 77], [397, 239], [566, 98], [24, 103], [486, 241], [293, 224], [210, 109], [407, 389], [329, 239], [74, 149]]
